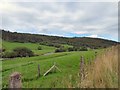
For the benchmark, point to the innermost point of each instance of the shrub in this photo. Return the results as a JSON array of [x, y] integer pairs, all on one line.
[[75, 48], [50, 44], [70, 49], [42, 43], [83, 49], [60, 50], [57, 50], [9, 55], [57, 45], [39, 48], [23, 52]]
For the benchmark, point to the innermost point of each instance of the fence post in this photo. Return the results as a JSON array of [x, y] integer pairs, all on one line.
[[15, 80], [38, 70], [82, 68]]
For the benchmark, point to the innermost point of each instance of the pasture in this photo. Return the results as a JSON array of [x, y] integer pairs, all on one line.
[[67, 62], [33, 46]]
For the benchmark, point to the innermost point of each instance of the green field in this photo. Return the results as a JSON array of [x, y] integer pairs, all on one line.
[[11, 45], [67, 62]]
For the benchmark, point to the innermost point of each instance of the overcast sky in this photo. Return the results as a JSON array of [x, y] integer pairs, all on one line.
[[68, 19]]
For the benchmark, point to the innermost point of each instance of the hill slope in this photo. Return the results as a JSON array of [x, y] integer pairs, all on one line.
[[9, 46], [44, 39]]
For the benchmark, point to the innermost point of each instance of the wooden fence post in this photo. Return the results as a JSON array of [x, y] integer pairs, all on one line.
[[15, 81], [38, 70], [82, 68]]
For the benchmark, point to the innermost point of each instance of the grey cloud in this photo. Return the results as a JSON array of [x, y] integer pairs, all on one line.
[[69, 17]]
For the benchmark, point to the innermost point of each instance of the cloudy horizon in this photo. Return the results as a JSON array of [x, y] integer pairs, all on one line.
[[67, 19]]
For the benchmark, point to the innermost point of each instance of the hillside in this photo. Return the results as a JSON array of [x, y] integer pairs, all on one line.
[[45, 39], [9, 46], [68, 62]]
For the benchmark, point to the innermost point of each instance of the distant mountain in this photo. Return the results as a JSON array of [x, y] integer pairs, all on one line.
[[45, 39]]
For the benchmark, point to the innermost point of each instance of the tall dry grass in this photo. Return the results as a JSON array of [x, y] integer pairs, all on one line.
[[103, 72]]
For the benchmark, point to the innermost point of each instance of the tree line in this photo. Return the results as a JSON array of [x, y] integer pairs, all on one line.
[[93, 43]]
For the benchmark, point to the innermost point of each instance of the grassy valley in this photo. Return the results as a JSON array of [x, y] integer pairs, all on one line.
[[67, 61]]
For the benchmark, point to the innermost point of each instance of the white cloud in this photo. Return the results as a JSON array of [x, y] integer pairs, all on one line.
[[81, 32], [93, 36]]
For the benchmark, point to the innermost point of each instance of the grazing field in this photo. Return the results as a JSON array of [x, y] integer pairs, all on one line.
[[67, 62], [33, 46], [9, 46]]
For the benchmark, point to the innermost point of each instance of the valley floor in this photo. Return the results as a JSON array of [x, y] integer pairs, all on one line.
[[104, 64], [68, 63]]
